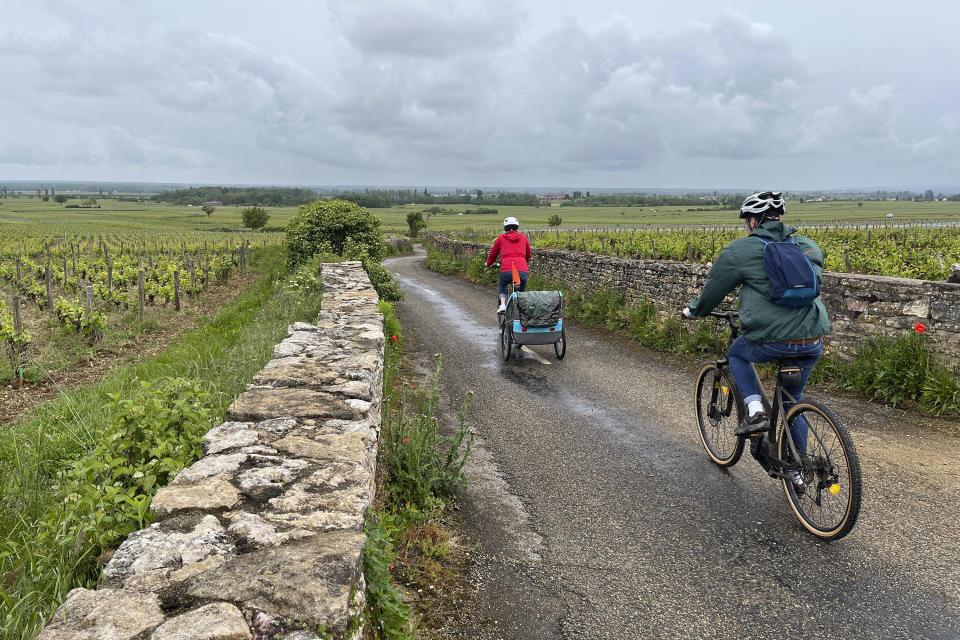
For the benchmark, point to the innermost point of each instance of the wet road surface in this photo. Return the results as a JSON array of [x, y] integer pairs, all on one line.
[[598, 515]]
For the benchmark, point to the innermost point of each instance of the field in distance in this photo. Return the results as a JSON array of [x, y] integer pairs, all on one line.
[[32, 216], [846, 212]]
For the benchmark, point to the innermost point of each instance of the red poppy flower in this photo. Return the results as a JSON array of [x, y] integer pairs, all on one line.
[[394, 338], [391, 567], [919, 327], [406, 440], [395, 387]]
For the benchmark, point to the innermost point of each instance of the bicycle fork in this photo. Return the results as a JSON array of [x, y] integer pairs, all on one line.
[[721, 397]]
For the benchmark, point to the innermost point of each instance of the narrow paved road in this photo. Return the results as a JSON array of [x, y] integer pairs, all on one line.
[[598, 515]]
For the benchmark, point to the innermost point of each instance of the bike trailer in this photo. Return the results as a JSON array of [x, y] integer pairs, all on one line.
[[538, 318]]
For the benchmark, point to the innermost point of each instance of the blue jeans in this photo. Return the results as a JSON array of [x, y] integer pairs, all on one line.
[[506, 277], [742, 353]]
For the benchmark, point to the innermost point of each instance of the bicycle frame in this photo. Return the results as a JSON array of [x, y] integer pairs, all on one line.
[[763, 447]]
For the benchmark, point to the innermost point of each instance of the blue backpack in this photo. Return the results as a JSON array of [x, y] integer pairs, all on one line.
[[793, 281]]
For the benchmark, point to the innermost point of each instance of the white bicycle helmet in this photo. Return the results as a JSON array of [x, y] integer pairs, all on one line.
[[511, 222], [763, 203]]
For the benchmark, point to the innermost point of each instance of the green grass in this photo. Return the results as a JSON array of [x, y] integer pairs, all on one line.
[[221, 355]]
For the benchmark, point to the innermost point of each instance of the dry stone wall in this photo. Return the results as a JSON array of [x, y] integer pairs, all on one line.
[[268, 526], [859, 305]]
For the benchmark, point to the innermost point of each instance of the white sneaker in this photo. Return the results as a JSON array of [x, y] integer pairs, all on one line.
[[501, 308], [798, 483]]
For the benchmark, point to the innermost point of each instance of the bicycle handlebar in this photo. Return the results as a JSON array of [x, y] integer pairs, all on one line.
[[731, 318]]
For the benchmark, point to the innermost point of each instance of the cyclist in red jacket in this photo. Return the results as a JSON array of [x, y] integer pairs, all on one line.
[[514, 251]]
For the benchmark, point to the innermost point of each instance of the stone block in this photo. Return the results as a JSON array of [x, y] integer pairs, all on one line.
[[211, 494], [229, 435], [310, 578], [349, 447], [217, 621], [106, 614], [262, 404]]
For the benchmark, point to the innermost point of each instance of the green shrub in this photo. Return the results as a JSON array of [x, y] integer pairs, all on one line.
[[444, 262], [328, 226], [479, 272], [106, 494]]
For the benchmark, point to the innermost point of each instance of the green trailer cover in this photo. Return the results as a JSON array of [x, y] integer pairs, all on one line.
[[539, 309]]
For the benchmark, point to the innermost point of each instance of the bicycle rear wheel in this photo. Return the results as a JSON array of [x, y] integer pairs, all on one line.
[[828, 503], [718, 414]]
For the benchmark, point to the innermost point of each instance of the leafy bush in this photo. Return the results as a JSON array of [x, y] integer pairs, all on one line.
[[320, 226], [479, 272], [106, 494], [444, 262]]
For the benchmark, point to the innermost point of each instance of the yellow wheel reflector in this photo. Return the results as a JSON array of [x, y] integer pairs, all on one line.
[[834, 489], [725, 390]]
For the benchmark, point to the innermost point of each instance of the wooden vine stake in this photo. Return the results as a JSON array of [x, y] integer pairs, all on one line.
[[17, 318], [176, 291], [49, 287], [89, 291], [17, 331], [140, 295]]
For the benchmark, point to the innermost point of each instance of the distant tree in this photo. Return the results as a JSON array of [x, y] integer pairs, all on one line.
[[60, 198], [254, 217], [928, 195], [416, 223], [479, 194], [89, 203], [554, 221], [859, 204], [45, 197], [208, 209], [577, 195]]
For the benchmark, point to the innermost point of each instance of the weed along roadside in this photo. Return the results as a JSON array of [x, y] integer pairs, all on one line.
[[411, 563], [901, 369]]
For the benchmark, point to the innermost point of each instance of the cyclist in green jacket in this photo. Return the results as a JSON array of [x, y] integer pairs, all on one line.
[[768, 330]]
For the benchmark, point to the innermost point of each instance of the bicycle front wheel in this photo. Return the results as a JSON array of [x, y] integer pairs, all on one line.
[[827, 501], [718, 414]]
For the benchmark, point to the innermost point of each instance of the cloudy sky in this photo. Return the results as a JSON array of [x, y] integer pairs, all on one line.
[[688, 93]]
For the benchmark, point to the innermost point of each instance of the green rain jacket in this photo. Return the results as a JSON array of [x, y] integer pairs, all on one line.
[[741, 263]]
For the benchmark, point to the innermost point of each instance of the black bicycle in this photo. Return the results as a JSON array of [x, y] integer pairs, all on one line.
[[808, 447]]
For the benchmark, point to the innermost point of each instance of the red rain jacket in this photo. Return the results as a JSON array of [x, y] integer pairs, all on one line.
[[514, 250]]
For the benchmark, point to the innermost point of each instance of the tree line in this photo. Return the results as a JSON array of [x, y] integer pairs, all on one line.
[[383, 198], [270, 196]]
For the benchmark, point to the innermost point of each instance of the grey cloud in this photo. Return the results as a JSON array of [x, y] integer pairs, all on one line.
[[421, 28], [463, 88], [26, 154]]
